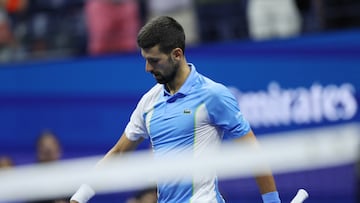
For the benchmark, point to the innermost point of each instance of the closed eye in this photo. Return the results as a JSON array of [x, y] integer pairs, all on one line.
[[152, 61]]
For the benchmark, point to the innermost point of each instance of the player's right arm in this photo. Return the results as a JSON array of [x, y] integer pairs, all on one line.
[[135, 132], [123, 145]]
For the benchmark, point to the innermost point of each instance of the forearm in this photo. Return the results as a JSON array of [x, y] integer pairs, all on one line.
[[113, 151], [266, 183], [122, 146], [267, 187], [85, 192]]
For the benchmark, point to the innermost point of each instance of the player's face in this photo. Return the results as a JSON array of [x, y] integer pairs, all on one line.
[[162, 66]]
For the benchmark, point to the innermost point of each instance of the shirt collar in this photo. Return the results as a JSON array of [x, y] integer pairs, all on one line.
[[186, 87]]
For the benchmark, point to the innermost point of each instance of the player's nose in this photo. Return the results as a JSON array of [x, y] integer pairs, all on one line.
[[148, 67]]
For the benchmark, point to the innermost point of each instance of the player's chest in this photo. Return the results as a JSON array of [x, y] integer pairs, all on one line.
[[180, 118]]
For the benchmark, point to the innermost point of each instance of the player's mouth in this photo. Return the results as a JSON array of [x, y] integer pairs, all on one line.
[[157, 75]]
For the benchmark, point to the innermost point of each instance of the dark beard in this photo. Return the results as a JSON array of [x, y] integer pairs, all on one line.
[[171, 76]]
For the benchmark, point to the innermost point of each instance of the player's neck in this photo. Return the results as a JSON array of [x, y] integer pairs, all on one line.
[[179, 80]]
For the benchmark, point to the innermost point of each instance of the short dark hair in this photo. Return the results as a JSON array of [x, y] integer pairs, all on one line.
[[163, 31]]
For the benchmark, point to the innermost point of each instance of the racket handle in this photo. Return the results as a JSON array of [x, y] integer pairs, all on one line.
[[300, 196]]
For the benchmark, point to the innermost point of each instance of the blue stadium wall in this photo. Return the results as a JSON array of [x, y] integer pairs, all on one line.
[[87, 102]]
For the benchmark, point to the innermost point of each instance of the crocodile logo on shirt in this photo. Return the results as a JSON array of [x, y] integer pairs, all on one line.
[[187, 111]]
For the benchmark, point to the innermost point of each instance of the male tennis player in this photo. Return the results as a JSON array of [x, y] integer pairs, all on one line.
[[185, 110]]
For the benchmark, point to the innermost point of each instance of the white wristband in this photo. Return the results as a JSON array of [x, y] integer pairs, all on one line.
[[83, 194]]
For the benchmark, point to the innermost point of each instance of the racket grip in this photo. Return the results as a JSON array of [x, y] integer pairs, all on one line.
[[300, 196]]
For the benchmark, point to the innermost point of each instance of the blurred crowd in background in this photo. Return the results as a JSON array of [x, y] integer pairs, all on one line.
[[44, 29], [48, 149]]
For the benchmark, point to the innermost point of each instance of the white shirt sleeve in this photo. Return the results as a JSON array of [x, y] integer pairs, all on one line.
[[136, 128]]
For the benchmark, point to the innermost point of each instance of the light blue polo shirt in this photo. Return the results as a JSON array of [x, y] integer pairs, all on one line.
[[195, 117]]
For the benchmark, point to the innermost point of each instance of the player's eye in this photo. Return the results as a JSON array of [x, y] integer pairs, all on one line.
[[152, 61]]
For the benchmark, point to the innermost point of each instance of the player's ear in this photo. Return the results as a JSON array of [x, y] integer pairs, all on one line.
[[177, 54]]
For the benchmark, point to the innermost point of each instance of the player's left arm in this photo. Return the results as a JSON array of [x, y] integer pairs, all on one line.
[[224, 113], [265, 182]]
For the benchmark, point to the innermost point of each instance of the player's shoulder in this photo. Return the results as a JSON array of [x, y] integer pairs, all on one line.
[[152, 95], [215, 93], [154, 91], [213, 88]]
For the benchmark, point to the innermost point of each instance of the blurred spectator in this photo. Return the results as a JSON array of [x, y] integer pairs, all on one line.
[[339, 14], [312, 15], [50, 28], [5, 31], [273, 19], [6, 162], [323, 15], [221, 20], [148, 195], [9, 49], [48, 149], [112, 25], [14, 6], [60, 28], [182, 10], [143, 9]]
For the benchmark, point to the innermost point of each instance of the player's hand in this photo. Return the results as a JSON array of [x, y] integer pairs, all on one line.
[[73, 201]]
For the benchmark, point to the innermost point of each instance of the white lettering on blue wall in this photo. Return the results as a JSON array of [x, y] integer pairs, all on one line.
[[281, 107]]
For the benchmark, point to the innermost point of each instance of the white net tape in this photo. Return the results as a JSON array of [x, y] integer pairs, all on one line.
[[295, 151]]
